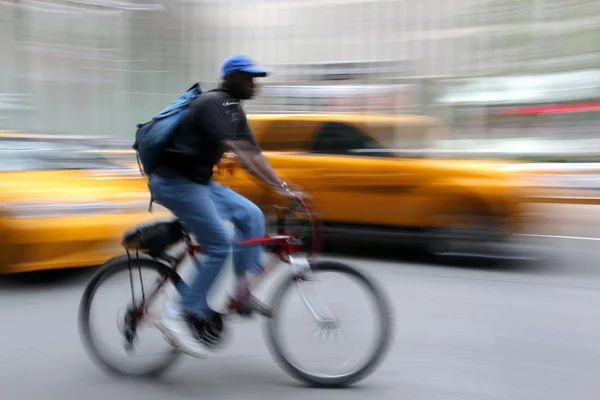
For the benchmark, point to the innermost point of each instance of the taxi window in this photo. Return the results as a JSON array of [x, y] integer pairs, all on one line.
[[37, 156], [342, 139], [289, 135]]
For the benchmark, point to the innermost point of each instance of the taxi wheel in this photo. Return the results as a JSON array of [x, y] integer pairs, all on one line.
[[463, 234]]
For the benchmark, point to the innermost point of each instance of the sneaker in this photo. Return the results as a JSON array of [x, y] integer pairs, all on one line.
[[210, 330], [180, 329]]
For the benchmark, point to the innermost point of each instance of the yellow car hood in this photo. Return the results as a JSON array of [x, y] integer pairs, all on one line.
[[73, 186]]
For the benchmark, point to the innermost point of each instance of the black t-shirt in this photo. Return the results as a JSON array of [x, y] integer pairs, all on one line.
[[197, 145]]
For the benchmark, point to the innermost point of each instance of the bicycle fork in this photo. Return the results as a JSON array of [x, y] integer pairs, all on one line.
[[303, 276]]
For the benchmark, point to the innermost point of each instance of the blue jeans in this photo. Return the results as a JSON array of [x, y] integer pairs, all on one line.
[[202, 209]]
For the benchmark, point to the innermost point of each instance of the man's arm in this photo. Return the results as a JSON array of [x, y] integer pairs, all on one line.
[[255, 161]]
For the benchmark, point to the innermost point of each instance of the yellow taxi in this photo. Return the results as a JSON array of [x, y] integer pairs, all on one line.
[[373, 176], [64, 206]]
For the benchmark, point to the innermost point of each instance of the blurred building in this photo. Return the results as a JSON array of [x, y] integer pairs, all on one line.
[[98, 67]]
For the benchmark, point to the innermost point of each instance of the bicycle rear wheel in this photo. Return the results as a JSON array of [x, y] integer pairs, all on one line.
[[140, 269], [283, 354]]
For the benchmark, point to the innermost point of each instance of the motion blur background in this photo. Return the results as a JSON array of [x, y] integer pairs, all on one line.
[[96, 68], [514, 80]]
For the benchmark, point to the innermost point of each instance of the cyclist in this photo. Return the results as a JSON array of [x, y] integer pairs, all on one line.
[[182, 182]]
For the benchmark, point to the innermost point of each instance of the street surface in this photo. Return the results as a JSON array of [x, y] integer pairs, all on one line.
[[528, 332]]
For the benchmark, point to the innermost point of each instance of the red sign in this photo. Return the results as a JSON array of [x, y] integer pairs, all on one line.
[[552, 109]]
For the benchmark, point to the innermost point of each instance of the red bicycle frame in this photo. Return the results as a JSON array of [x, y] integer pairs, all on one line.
[[281, 244]]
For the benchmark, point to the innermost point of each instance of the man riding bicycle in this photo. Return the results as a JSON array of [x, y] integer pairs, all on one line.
[[182, 182]]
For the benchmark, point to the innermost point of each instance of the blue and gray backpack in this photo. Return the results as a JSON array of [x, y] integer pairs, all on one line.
[[152, 136]]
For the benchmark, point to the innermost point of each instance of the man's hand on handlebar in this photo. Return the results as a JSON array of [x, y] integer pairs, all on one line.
[[287, 192]]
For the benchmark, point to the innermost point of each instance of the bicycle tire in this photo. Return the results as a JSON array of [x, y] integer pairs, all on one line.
[[347, 379], [110, 268]]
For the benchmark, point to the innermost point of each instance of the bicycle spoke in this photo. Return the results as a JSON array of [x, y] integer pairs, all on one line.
[[130, 279], [141, 281]]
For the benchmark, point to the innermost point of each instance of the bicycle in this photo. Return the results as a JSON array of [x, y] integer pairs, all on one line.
[[156, 238]]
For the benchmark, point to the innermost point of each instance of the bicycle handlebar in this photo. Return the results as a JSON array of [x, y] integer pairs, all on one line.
[[315, 223]]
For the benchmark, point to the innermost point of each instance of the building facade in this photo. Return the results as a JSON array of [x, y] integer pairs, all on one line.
[[99, 67]]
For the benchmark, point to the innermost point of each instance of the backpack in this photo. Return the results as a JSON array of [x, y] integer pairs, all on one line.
[[152, 136]]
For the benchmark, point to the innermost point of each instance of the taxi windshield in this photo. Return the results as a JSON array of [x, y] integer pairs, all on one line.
[[24, 155]]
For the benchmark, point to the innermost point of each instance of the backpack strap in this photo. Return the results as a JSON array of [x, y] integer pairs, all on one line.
[[151, 198], [195, 85], [137, 155]]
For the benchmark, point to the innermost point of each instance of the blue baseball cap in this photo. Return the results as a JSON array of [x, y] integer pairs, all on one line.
[[242, 63]]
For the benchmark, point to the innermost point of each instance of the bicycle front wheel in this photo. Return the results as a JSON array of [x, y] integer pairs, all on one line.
[[120, 284], [329, 324]]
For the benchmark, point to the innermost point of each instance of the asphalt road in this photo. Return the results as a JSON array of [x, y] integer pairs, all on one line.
[[478, 332]]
